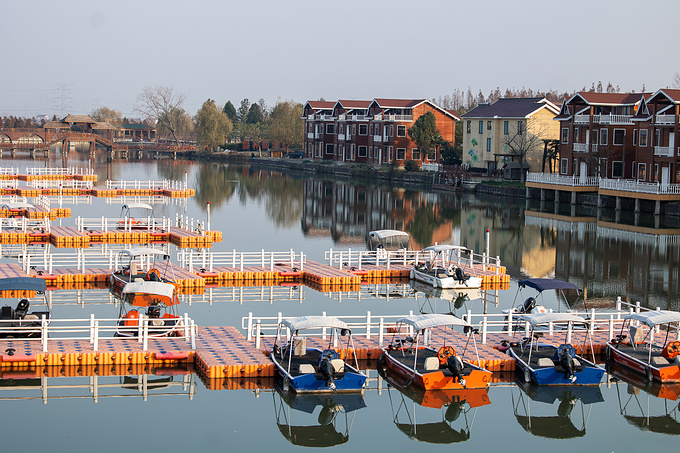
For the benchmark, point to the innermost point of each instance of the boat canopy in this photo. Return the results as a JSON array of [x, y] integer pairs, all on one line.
[[151, 288], [541, 284], [420, 322], [445, 248], [17, 205], [311, 322], [382, 234], [545, 318], [139, 251], [22, 284], [653, 318], [137, 206]]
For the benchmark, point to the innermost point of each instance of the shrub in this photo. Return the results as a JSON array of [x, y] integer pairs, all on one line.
[[411, 165]]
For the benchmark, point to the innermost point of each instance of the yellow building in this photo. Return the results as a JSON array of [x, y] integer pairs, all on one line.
[[509, 130]]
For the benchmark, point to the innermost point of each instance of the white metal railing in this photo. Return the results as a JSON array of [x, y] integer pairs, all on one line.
[[377, 138], [310, 134], [386, 291], [241, 294], [356, 258], [564, 180], [580, 147], [25, 225], [372, 326], [42, 171], [341, 137], [641, 187], [125, 224], [581, 119], [147, 184], [398, 117], [65, 184], [614, 119], [9, 171], [428, 166], [665, 119], [193, 259], [663, 151], [95, 329]]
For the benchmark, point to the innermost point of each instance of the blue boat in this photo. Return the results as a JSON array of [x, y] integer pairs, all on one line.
[[315, 370], [548, 364]]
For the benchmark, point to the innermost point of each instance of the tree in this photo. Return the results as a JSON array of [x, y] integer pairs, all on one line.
[[451, 155], [676, 80], [230, 111], [425, 134], [526, 137], [285, 124], [551, 151], [162, 104], [263, 109], [182, 121], [242, 112], [114, 117], [212, 126], [255, 115]]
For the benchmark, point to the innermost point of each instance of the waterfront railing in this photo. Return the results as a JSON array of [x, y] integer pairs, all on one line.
[[207, 261]]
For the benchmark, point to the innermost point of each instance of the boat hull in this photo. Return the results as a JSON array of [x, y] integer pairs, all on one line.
[[350, 381], [590, 375], [435, 380], [670, 373], [445, 283]]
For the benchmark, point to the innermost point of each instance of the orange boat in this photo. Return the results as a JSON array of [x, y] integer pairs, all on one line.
[[415, 362], [152, 306]]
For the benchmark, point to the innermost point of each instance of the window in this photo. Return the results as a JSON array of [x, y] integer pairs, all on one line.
[[330, 148], [635, 134], [619, 136], [319, 129], [520, 128], [488, 125], [370, 129], [617, 169], [415, 154], [401, 153], [576, 134], [362, 149], [604, 136], [642, 172], [363, 129], [481, 127], [563, 165], [643, 137], [341, 128], [391, 129], [657, 137], [389, 154], [401, 130], [330, 128], [656, 172], [469, 126], [488, 144], [341, 149], [574, 167], [506, 127], [565, 135]]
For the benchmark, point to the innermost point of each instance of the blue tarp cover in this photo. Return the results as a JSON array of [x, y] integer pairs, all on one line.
[[22, 283], [541, 284]]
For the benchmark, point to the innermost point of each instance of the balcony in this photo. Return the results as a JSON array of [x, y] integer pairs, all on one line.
[[325, 117], [580, 147], [640, 187], [377, 138], [357, 118], [310, 135], [378, 117], [665, 119], [663, 151], [612, 119], [398, 118], [562, 180], [341, 137], [582, 119]]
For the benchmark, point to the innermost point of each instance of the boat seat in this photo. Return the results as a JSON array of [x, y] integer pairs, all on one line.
[[636, 334], [431, 363], [658, 361], [306, 368], [576, 362], [299, 346], [545, 362], [338, 365]]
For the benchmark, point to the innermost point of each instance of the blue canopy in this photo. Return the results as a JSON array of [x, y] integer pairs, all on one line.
[[22, 284], [541, 284]]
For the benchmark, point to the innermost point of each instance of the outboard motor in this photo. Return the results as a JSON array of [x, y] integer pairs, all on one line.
[[22, 308], [567, 363], [326, 369], [154, 311], [455, 366], [528, 305], [460, 275]]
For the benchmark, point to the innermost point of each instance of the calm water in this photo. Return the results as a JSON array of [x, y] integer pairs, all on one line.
[[257, 210]]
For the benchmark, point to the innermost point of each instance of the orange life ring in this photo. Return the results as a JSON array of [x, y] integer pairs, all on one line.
[[671, 350], [150, 273], [444, 353]]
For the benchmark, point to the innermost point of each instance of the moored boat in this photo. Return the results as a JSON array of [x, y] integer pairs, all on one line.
[[21, 321], [303, 369], [636, 348], [445, 268], [416, 363], [139, 265], [155, 301]]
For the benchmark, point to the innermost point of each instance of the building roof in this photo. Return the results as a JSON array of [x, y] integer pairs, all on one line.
[[320, 105], [78, 119], [511, 108], [671, 93], [397, 103], [137, 126], [56, 125], [353, 104], [101, 125], [609, 98]]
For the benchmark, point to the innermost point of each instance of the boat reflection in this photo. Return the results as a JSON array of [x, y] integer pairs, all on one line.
[[568, 423], [661, 399], [296, 420], [449, 422], [454, 299]]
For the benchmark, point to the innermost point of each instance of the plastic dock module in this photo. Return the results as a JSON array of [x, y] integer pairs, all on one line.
[[322, 274], [68, 237]]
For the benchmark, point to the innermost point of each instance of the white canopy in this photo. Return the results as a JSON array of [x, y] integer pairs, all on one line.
[[545, 318], [420, 322], [138, 206], [652, 318], [17, 205], [381, 234], [147, 287], [311, 322], [445, 248]]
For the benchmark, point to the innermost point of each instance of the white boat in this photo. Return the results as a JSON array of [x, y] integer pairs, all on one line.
[[445, 268], [138, 265], [388, 240], [136, 216]]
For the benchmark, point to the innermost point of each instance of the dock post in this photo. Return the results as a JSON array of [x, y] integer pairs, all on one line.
[[510, 321], [193, 335], [43, 334], [592, 320], [484, 327], [249, 334], [257, 334], [145, 339], [381, 326], [95, 346], [611, 326], [368, 325]]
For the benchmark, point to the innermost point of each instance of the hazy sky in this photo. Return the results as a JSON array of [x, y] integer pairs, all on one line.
[[82, 54]]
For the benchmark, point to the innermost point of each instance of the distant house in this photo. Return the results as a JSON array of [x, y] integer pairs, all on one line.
[[488, 127], [137, 132], [372, 132]]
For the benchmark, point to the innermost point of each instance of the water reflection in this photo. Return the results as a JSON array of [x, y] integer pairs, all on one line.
[[302, 424], [567, 419]]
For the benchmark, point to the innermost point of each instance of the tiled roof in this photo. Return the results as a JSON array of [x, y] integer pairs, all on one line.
[[321, 105], [612, 98], [56, 125], [671, 93], [101, 125], [78, 119], [397, 103], [354, 104], [509, 108]]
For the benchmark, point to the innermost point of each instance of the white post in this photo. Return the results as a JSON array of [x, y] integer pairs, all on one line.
[[484, 327], [323, 330], [381, 327], [208, 216], [510, 322], [145, 342], [91, 328], [95, 346], [592, 320], [43, 334], [611, 326], [186, 325], [368, 324], [569, 331], [249, 329], [257, 334], [193, 335]]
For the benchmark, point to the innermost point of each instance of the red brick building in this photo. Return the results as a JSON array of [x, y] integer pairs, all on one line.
[[372, 132]]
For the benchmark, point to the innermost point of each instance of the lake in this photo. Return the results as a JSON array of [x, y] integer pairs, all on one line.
[[258, 209]]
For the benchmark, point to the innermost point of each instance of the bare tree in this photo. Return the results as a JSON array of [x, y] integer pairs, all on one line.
[[676, 80], [527, 137], [162, 104]]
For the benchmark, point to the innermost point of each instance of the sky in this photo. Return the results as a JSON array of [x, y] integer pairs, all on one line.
[[76, 55]]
